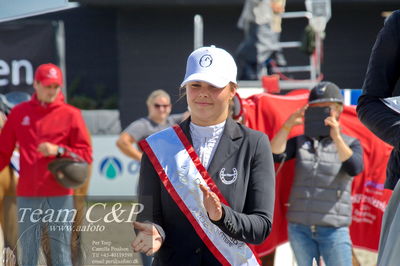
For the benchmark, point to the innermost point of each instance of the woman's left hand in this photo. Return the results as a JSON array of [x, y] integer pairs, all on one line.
[[212, 204]]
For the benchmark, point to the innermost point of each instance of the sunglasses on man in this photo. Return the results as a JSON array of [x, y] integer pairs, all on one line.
[[158, 106]]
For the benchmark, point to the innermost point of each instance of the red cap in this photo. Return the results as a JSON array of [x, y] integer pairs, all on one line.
[[48, 74]]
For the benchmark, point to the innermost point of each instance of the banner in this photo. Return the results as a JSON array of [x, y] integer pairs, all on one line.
[[267, 113], [24, 46]]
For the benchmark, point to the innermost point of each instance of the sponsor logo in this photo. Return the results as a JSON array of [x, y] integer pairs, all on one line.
[[20, 72], [306, 145], [321, 91], [26, 121], [111, 167], [206, 60], [228, 179], [372, 184], [53, 74], [133, 167]]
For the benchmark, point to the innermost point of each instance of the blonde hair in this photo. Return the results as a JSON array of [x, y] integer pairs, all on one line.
[[233, 85], [155, 94], [339, 107]]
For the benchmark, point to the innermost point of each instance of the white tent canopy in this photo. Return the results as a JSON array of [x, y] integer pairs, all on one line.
[[16, 9]]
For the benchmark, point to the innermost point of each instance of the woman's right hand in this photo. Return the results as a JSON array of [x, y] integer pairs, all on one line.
[[148, 240], [296, 118]]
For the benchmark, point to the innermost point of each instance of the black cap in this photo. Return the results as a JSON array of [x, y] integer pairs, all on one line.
[[68, 172], [325, 92]]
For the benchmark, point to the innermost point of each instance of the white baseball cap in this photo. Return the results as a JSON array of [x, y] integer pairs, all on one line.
[[212, 65]]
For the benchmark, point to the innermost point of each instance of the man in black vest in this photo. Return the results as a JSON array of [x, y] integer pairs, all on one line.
[[319, 212]]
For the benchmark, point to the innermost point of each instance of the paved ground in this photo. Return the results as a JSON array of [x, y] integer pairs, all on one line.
[[365, 257]]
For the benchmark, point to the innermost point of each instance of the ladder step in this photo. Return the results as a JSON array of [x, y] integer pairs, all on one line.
[[297, 14], [297, 84], [290, 44], [291, 69], [249, 87]]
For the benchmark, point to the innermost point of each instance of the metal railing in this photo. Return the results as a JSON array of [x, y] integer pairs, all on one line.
[[314, 68]]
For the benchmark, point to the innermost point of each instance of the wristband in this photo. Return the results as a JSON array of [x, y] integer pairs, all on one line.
[[60, 151]]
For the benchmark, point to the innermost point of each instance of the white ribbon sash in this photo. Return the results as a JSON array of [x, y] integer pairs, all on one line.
[[181, 172]]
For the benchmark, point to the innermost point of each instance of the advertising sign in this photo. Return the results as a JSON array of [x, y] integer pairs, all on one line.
[[114, 174], [24, 46]]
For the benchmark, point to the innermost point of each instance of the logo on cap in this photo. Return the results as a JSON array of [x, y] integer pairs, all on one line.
[[321, 91], [206, 60], [53, 74]]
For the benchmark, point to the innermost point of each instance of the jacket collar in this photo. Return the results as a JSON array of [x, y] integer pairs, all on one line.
[[57, 102], [232, 129], [229, 144]]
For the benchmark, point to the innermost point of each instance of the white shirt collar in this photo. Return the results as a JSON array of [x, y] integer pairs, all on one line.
[[206, 132], [205, 141]]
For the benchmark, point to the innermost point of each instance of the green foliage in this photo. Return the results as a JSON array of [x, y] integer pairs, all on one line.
[[110, 103], [83, 102], [101, 100]]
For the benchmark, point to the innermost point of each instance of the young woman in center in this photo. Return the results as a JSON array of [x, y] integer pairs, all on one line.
[[208, 184]]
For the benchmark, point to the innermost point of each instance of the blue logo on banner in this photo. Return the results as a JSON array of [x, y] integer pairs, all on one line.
[[111, 167], [134, 167]]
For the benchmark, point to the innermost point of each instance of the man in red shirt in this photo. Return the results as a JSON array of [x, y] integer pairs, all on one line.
[[44, 129]]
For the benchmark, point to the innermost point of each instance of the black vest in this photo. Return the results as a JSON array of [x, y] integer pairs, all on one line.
[[321, 192]]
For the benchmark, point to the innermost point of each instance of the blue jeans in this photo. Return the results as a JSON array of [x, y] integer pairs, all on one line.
[[333, 244], [33, 214], [146, 260]]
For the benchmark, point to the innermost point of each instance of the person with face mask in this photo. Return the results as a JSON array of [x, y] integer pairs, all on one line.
[[207, 184], [320, 208]]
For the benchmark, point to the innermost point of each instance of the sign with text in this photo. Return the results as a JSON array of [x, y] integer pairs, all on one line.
[[100, 230], [24, 46]]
